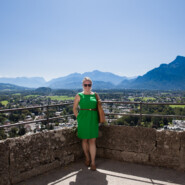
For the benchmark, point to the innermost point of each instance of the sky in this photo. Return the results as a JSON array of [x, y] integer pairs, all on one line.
[[54, 38]]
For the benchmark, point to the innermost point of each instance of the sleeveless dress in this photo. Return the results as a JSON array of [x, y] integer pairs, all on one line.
[[87, 119]]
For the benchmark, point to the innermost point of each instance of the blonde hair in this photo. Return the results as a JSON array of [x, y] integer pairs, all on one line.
[[86, 79]]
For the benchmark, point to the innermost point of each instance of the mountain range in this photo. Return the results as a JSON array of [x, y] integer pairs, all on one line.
[[165, 77], [105, 80], [33, 82], [10, 87], [100, 80]]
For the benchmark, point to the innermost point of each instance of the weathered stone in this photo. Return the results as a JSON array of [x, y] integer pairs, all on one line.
[[130, 139], [165, 161], [134, 157], [100, 152], [35, 171], [168, 143], [4, 163], [123, 156], [112, 154], [143, 145], [29, 152], [31, 155], [182, 150]]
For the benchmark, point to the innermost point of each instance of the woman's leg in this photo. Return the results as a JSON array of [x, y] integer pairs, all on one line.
[[85, 146], [92, 150]]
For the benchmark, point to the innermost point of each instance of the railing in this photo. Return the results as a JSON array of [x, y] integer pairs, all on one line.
[[47, 119], [140, 110]]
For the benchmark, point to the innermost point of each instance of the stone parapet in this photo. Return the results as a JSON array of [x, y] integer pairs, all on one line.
[[31, 155], [142, 145]]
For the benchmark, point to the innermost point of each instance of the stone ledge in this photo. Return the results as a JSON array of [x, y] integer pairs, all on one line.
[[30, 155], [142, 145], [27, 156]]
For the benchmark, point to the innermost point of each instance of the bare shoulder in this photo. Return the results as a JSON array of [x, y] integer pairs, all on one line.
[[77, 96]]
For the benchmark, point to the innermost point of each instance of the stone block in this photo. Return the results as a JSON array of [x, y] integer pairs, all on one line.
[[182, 151], [100, 152], [4, 163], [168, 143], [48, 150], [29, 152], [124, 156], [130, 139], [164, 161], [34, 172], [112, 154], [135, 157]]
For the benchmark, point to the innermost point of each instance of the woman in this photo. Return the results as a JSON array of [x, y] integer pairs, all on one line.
[[87, 119]]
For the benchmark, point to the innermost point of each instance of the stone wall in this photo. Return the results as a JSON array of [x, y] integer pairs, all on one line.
[[31, 155], [142, 145], [27, 156]]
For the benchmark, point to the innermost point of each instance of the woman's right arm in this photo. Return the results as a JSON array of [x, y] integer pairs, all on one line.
[[75, 105]]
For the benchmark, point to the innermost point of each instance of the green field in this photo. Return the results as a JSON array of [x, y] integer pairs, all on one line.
[[60, 98], [143, 98], [148, 98], [17, 94], [28, 96], [4, 102], [177, 106]]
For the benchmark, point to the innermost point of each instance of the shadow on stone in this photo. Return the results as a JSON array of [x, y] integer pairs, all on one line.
[[91, 177], [108, 172]]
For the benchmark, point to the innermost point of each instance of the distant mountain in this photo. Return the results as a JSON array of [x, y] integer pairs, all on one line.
[[69, 81], [10, 87], [166, 77], [104, 76], [100, 79], [33, 82]]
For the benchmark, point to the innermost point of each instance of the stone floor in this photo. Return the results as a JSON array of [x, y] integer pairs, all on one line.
[[108, 172]]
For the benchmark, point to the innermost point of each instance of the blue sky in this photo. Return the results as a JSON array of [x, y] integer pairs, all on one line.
[[53, 38]]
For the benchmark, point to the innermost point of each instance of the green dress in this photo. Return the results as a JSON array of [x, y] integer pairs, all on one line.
[[87, 119]]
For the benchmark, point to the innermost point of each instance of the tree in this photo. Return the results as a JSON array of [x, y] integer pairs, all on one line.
[[22, 131], [2, 134], [13, 132], [157, 122], [14, 117], [127, 120], [2, 118]]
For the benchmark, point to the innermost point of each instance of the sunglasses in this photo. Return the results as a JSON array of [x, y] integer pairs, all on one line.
[[89, 85]]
